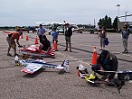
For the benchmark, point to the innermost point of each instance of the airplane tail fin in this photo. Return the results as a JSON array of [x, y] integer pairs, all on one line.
[[64, 66]]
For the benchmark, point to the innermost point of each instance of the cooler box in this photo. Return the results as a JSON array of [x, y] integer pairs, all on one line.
[[124, 75]]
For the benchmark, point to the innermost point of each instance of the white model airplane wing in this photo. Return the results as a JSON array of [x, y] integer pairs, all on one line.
[[32, 49], [31, 68]]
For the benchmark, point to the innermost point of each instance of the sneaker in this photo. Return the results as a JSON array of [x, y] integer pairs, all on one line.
[[16, 54], [65, 50], [8, 54], [126, 51], [123, 52]]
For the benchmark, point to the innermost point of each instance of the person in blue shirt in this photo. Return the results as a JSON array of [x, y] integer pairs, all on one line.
[[125, 36], [40, 32], [55, 35]]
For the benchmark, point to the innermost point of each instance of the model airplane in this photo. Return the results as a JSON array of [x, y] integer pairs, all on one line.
[[32, 65], [94, 80], [33, 50]]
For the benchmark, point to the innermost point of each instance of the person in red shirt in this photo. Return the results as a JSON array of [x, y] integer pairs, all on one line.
[[12, 39]]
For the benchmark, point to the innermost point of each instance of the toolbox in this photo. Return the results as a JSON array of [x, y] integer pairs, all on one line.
[[124, 75]]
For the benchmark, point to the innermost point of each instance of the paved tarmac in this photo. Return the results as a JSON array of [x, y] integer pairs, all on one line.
[[49, 84]]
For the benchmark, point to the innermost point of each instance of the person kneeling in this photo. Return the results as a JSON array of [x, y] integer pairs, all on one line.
[[107, 65], [45, 44]]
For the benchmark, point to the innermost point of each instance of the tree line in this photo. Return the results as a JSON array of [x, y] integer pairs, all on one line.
[[107, 22]]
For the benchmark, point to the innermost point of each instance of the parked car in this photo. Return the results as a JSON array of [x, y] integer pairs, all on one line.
[[60, 29]]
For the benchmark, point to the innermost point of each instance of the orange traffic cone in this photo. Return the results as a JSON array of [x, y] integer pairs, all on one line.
[[55, 46], [27, 38], [36, 40], [94, 57]]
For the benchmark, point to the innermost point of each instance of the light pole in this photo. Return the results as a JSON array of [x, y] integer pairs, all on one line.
[[125, 17], [118, 5]]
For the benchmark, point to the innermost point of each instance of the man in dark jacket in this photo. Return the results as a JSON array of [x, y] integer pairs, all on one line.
[[106, 62], [68, 34]]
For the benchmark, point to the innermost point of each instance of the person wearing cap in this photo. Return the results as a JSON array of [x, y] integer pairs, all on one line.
[[45, 44], [125, 36], [68, 34], [12, 39], [106, 62], [40, 32]]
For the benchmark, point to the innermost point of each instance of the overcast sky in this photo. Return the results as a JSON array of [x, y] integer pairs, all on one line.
[[28, 12]]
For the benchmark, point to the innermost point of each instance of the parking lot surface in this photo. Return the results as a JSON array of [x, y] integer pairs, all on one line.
[[49, 84]]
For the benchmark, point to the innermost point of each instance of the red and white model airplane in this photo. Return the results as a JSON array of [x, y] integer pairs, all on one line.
[[33, 50]]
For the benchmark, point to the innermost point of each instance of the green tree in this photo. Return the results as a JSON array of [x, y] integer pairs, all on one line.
[[115, 23], [106, 21]]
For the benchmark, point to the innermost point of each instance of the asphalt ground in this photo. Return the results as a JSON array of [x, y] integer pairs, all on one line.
[[49, 84]]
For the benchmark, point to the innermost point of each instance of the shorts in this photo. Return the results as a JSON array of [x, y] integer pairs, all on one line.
[[9, 41], [68, 39]]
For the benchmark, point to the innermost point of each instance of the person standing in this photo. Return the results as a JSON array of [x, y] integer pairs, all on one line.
[[55, 35], [125, 36], [12, 39], [68, 34], [102, 38], [40, 32]]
